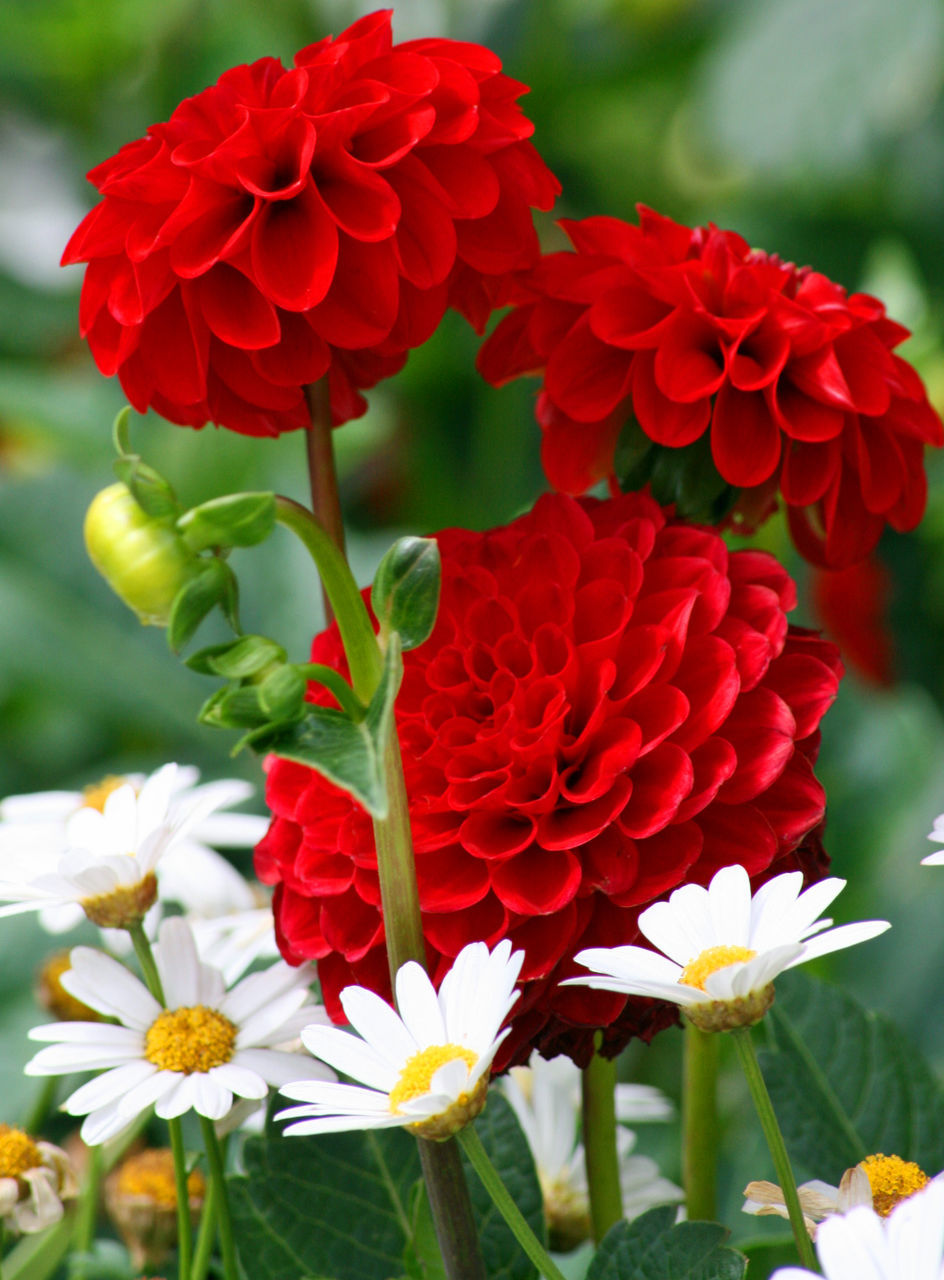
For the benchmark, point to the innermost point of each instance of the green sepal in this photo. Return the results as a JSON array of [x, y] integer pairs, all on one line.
[[237, 659], [405, 594], [235, 520], [350, 754], [195, 600], [121, 432], [148, 487], [685, 477]]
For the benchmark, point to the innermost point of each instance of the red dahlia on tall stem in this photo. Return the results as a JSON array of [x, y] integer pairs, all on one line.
[[696, 338], [291, 223], [611, 704]]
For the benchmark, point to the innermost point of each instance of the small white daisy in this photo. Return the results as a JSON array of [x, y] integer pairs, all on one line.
[[936, 834], [879, 1182], [232, 942], [205, 1046], [426, 1067], [101, 852], [545, 1097], [35, 1178], [861, 1245], [722, 948]]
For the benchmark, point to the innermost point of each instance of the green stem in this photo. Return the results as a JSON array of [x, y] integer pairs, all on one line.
[[451, 1208], [700, 1124], [396, 867], [87, 1209], [598, 1092], [184, 1227], [142, 949], [218, 1177], [478, 1157], [357, 634], [335, 683], [322, 472], [39, 1113], [207, 1234], [768, 1121]]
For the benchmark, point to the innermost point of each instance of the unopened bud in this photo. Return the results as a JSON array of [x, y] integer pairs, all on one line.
[[144, 560]]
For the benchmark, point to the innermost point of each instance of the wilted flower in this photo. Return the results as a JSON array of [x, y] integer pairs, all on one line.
[[611, 704], [692, 334], [288, 224], [141, 1198], [35, 1178]]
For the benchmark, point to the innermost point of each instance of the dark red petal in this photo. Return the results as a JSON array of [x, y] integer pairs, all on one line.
[[362, 203], [690, 361], [666, 421], [298, 358], [538, 881], [450, 880], [235, 309], [295, 250], [361, 307], [661, 782], [745, 440], [585, 377]]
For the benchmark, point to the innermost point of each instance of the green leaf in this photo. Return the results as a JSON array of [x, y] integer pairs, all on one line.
[[237, 659], [845, 1083], [405, 594], [633, 459], [336, 1205], [195, 600], [652, 1247], [235, 520], [508, 1150], [150, 490], [349, 753]]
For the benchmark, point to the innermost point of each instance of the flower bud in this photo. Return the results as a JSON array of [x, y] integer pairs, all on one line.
[[144, 560], [141, 1198]]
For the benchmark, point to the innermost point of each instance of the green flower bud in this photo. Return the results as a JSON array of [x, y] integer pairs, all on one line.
[[144, 560]]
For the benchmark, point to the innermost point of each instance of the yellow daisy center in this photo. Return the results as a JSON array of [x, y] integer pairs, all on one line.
[[892, 1180], [190, 1039], [18, 1152], [698, 970], [149, 1175], [417, 1075], [94, 796], [53, 995]]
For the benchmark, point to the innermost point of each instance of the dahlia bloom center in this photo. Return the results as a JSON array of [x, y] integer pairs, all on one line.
[[416, 1077], [95, 795], [892, 1180], [193, 1038], [18, 1152], [122, 907], [710, 961]]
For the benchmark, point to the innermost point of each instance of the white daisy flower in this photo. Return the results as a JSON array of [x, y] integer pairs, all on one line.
[[426, 1067], [722, 948], [35, 1178], [234, 941], [861, 1245], [206, 1046], [879, 1182], [101, 852], [936, 834], [545, 1097]]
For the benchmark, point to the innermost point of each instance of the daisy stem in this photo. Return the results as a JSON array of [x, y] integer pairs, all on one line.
[[206, 1236], [451, 1208], [184, 1228], [700, 1124], [768, 1121], [218, 1178], [598, 1096], [478, 1157], [142, 949], [87, 1210], [39, 1113]]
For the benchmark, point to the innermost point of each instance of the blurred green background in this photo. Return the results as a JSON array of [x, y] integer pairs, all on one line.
[[815, 129]]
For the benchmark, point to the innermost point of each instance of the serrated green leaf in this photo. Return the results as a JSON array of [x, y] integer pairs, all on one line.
[[654, 1247], [845, 1082], [349, 753], [235, 520], [237, 659], [405, 594], [336, 1205], [194, 601]]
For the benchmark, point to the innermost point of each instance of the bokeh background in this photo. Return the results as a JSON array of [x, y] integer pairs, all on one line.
[[815, 129]]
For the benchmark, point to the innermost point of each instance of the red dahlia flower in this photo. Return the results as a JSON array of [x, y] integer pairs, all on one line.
[[610, 705], [852, 605], [287, 224], [692, 333]]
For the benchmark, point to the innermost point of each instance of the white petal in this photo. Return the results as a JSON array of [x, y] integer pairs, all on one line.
[[99, 1126], [852, 1246], [211, 1094], [351, 1056], [729, 906], [419, 1007], [278, 1067], [178, 1099], [630, 963], [239, 1079], [146, 1093], [681, 927], [108, 987], [341, 1098], [379, 1024], [342, 1124], [107, 1087], [846, 935]]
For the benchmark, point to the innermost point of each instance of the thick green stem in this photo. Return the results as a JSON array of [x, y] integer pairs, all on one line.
[[218, 1177], [480, 1162], [700, 1124], [599, 1143], [451, 1209], [322, 472], [87, 1209], [396, 868], [357, 635], [768, 1121]]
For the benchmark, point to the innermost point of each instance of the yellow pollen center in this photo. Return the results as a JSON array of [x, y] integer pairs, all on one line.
[[149, 1175], [18, 1152], [892, 1180], [190, 1039], [710, 961], [417, 1075], [94, 796]]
